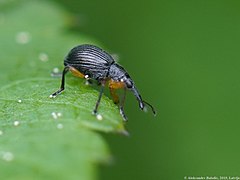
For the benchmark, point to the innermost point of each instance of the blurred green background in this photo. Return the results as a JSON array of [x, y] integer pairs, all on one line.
[[184, 58]]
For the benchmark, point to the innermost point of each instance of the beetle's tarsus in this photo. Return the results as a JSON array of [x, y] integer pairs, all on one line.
[[56, 93], [123, 114], [94, 112], [122, 105], [52, 96]]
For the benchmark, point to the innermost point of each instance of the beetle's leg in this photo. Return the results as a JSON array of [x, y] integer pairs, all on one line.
[[65, 70], [99, 97], [75, 72], [113, 85], [122, 104], [116, 101]]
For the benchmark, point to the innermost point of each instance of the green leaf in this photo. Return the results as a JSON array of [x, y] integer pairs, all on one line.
[[43, 138]]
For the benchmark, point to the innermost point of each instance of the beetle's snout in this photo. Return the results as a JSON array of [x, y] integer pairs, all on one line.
[[141, 105], [128, 83]]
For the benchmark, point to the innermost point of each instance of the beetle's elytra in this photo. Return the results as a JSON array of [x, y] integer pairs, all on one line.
[[91, 62]]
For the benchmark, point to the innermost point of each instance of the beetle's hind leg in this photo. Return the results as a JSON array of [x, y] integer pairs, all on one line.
[[113, 86], [65, 70], [122, 105], [116, 101]]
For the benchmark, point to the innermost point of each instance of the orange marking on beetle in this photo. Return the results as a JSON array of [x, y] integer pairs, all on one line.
[[114, 95], [75, 72], [116, 84], [113, 85]]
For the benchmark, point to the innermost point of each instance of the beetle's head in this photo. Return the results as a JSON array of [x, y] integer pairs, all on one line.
[[119, 74]]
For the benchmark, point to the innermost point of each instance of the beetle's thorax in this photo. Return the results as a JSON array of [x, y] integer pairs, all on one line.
[[118, 73]]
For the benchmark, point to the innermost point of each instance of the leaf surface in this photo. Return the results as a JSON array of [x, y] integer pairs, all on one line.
[[43, 138]]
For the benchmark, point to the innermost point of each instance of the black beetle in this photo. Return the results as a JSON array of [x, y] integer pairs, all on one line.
[[91, 62]]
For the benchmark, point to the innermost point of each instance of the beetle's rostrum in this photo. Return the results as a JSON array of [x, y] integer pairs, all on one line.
[[91, 62]]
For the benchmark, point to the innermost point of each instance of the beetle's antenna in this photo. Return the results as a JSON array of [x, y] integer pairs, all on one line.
[[153, 110]]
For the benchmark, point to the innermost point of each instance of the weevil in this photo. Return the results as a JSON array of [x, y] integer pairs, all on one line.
[[93, 63]]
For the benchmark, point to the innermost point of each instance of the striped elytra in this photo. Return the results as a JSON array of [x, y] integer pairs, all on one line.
[[90, 60]]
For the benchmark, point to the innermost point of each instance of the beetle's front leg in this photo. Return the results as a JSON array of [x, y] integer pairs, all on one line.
[[65, 70], [103, 82]]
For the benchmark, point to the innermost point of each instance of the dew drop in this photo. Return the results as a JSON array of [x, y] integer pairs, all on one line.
[[16, 123], [59, 114], [54, 115], [99, 117], [55, 70], [7, 156], [23, 37], [59, 126], [43, 57]]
